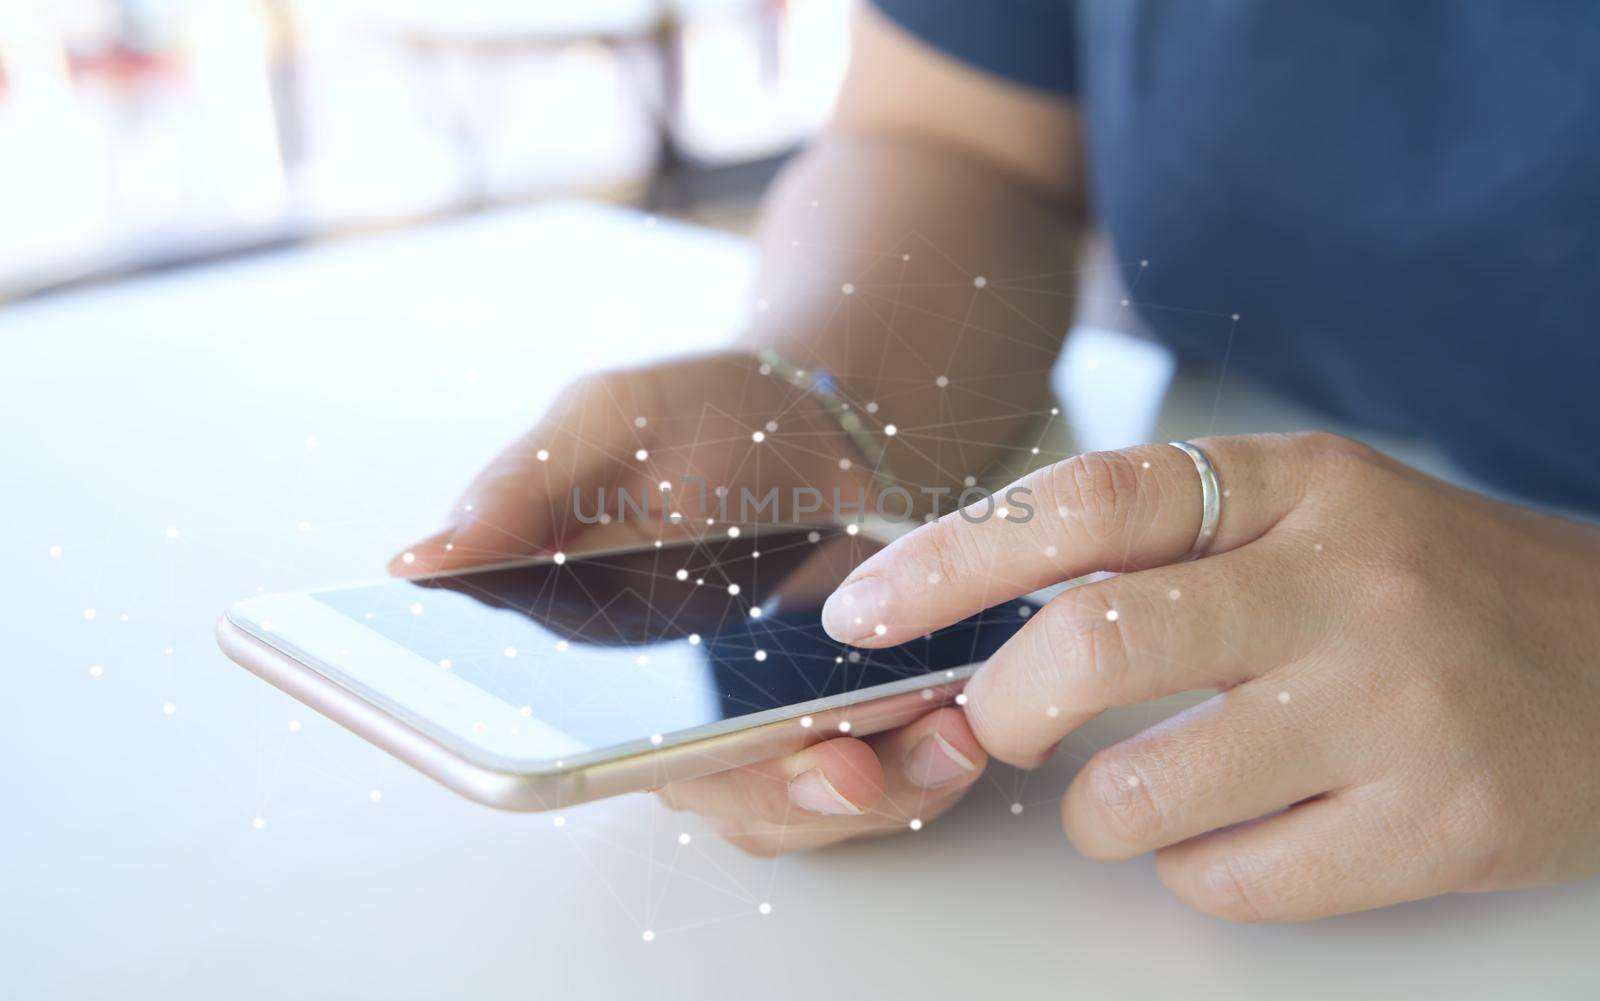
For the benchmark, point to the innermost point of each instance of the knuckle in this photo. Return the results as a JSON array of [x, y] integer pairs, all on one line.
[[1097, 490], [1122, 804], [1227, 888], [949, 551], [1325, 446], [1086, 649]]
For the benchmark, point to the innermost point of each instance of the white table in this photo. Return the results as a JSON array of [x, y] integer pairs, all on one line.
[[129, 866]]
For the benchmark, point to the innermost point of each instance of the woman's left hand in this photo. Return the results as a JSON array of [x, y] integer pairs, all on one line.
[[1409, 672]]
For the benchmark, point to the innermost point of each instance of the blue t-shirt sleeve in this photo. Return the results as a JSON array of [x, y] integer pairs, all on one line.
[[1030, 42]]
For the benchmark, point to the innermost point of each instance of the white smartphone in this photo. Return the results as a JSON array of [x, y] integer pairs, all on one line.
[[539, 684]]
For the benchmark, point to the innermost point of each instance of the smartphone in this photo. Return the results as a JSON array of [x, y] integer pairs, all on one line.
[[543, 683]]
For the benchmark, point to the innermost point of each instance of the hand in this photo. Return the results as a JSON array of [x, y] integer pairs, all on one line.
[[698, 417], [1410, 688]]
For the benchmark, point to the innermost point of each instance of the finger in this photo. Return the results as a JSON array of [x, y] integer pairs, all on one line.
[[1126, 640], [838, 777], [926, 767], [1345, 852], [1238, 756], [1126, 510], [518, 504]]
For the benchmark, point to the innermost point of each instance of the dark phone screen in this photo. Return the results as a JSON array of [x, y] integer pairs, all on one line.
[[611, 648]]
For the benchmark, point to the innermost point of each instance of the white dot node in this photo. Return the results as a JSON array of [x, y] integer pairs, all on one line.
[[543, 455], [376, 795], [733, 531], [95, 670], [879, 629], [510, 651], [758, 436], [805, 722], [813, 536], [694, 639], [408, 558], [558, 558], [872, 406], [852, 529], [961, 699], [890, 430], [764, 909], [562, 646], [172, 533], [1283, 696], [683, 838], [1133, 782], [655, 739], [55, 552], [933, 578], [927, 695], [304, 526], [526, 712], [1317, 547], [733, 588], [558, 821], [1174, 594], [1236, 316], [772, 426], [1016, 808], [847, 288], [1050, 552], [639, 422], [294, 726], [88, 615], [845, 463], [169, 708], [641, 455], [1052, 712], [844, 726], [1124, 302], [969, 481], [761, 655], [682, 575], [648, 936], [1111, 615], [905, 257], [980, 281], [916, 823], [643, 660], [416, 608], [942, 381], [258, 822]]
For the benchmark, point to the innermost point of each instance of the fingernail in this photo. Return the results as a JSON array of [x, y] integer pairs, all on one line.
[[934, 761], [812, 791], [857, 610]]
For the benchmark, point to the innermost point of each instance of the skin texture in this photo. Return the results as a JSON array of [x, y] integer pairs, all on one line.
[[1407, 680]]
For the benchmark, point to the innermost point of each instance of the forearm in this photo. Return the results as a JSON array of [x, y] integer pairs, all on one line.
[[891, 265]]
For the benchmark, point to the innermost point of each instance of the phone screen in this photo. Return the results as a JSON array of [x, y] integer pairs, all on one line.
[[612, 648]]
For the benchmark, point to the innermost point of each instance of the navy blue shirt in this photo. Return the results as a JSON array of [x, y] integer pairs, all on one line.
[[1401, 200]]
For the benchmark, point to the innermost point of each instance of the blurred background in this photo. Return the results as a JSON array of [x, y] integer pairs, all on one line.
[[139, 135]]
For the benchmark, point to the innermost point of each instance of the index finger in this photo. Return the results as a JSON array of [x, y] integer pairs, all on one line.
[[1126, 510]]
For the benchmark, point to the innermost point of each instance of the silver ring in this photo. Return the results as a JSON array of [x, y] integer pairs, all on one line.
[[1210, 500]]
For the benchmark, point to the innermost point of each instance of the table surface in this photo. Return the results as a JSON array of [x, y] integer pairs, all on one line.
[[289, 421]]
